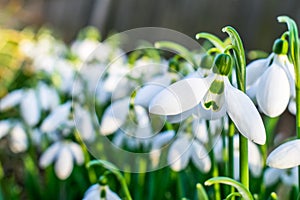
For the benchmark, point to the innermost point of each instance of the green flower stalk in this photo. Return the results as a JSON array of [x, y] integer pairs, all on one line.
[[240, 63], [294, 54]]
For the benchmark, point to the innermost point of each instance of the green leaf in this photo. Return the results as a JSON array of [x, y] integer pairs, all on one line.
[[245, 193], [201, 193], [177, 48]]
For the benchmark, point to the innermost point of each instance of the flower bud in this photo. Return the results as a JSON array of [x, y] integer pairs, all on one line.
[[222, 64], [103, 180], [281, 46]]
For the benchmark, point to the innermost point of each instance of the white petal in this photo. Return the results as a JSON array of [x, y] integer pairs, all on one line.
[[180, 96], [83, 122], [18, 139], [49, 155], [93, 193], [30, 108], [255, 159], [110, 195], [5, 125], [76, 152], [114, 116], [64, 163], [292, 106], [162, 138], [255, 69], [58, 116], [273, 91], [290, 176], [271, 176], [285, 156], [182, 116], [179, 153], [152, 88], [11, 100], [209, 114], [200, 130], [243, 113], [200, 157], [48, 96]]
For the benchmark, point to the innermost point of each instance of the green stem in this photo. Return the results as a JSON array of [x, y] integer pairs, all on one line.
[[294, 51], [240, 62], [231, 150], [213, 39], [215, 170], [231, 132]]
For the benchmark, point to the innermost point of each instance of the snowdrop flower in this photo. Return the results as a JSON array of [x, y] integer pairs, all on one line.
[[48, 96], [11, 99], [285, 156], [56, 118], [84, 123], [84, 48], [30, 108], [185, 148], [63, 154], [94, 193], [133, 126], [157, 143], [254, 158], [287, 176], [114, 116], [18, 141], [272, 84], [215, 93]]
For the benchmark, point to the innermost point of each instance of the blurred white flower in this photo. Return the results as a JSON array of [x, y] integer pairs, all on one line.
[[150, 89], [157, 143], [63, 154], [271, 84], [84, 48], [114, 116], [184, 148], [94, 193], [287, 176], [18, 141], [254, 158], [84, 123], [48, 96], [57, 117], [30, 108], [285, 156], [17, 137], [214, 92], [11, 99]]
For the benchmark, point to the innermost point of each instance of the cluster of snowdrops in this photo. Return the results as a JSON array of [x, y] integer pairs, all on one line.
[[205, 119]]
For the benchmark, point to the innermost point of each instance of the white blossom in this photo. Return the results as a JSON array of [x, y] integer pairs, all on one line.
[[63, 154]]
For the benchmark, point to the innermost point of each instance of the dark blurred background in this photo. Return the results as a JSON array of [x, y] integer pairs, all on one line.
[[255, 20]]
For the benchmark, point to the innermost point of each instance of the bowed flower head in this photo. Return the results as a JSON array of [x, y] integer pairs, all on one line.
[[272, 84], [213, 93]]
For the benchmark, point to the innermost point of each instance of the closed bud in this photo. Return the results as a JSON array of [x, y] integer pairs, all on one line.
[[222, 64], [281, 46]]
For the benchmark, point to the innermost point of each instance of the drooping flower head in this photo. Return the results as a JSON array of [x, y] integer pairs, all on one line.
[[215, 94], [271, 80]]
